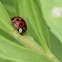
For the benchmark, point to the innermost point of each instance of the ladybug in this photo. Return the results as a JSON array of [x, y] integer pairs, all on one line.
[[19, 24]]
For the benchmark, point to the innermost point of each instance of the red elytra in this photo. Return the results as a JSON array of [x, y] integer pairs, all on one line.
[[19, 24]]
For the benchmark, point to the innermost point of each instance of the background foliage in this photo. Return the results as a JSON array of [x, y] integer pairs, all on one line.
[[46, 29]]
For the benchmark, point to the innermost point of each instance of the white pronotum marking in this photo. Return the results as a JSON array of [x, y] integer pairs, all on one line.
[[57, 11], [20, 30]]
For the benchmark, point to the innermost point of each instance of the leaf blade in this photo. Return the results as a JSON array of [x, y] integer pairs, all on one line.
[[53, 22], [23, 54]]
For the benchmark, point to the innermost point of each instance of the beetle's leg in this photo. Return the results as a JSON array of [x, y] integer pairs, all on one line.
[[14, 29], [17, 31]]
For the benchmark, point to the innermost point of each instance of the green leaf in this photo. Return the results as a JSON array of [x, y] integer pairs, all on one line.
[[28, 11], [55, 46], [7, 36], [4, 18], [42, 22], [4, 60], [52, 17], [9, 50], [26, 40], [8, 5]]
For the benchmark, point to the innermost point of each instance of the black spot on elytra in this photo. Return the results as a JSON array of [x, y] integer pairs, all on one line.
[[14, 22], [17, 19], [21, 24], [12, 19], [22, 20]]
